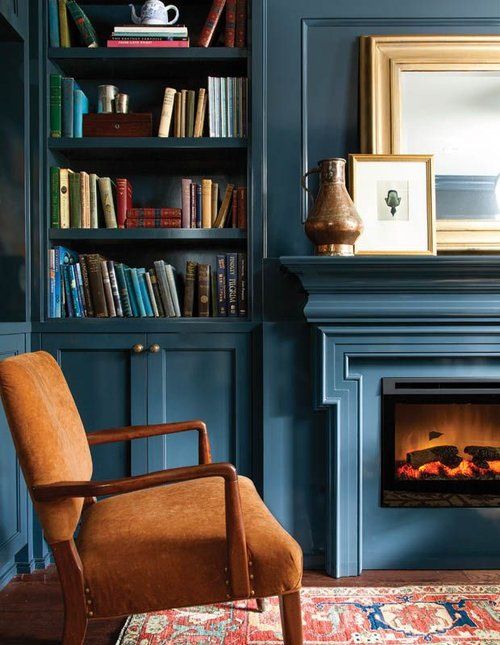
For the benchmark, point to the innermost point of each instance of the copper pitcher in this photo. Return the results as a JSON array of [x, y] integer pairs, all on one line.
[[333, 223]]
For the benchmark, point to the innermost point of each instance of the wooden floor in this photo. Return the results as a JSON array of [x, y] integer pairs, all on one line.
[[31, 605]]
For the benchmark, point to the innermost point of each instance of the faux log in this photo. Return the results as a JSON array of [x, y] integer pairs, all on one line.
[[444, 454], [483, 453]]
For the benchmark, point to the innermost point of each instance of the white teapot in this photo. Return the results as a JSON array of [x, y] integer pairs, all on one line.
[[154, 12]]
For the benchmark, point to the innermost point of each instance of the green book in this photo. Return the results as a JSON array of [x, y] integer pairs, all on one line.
[[75, 201], [190, 113], [55, 105], [55, 218], [83, 24]]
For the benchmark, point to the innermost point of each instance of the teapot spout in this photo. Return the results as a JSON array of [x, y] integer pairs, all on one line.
[[135, 18]]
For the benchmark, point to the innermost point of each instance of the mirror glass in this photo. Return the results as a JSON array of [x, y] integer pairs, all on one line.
[[455, 115]]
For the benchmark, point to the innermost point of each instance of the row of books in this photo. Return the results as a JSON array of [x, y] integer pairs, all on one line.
[[59, 26], [183, 114], [227, 106], [149, 36], [89, 285], [67, 103], [235, 30], [85, 200], [200, 205]]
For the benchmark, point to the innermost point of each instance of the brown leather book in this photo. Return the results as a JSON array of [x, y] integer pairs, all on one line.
[[204, 289], [94, 269], [242, 208], [189, 283], [86, 286]]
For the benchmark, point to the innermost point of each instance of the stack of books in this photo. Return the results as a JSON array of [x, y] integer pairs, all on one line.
[[201, 209], [59, 29], [153, 218], [67, 105], [227, 106], [149, 36], [183, 113], [91, 286], [235, 30]]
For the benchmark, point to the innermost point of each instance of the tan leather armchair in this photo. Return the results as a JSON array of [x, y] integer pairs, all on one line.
[[173, 538]]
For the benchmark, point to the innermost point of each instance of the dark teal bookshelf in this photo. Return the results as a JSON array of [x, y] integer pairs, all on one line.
[[146, 143]]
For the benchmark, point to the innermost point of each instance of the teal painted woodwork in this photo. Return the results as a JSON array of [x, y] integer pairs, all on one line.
[[13, 495], [201, 376]]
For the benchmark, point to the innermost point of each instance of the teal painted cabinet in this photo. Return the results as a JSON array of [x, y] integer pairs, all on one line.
[[191, 375], [13, 495]]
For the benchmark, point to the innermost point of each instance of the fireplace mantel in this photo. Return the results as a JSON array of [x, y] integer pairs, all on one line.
[[405, 317], [393, 287]]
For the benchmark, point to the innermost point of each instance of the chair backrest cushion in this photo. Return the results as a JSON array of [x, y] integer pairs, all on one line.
[[48, 434]]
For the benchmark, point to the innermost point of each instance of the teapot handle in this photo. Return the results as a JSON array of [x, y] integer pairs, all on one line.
[[304, 177], [174, 20]]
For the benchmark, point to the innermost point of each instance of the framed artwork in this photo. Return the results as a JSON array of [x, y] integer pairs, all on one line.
[[394, 196], [438, 94]]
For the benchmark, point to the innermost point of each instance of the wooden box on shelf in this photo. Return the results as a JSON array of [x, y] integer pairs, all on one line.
[[118, 125]]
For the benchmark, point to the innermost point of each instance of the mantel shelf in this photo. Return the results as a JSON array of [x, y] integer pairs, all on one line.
[[117, 236], [385, 287]]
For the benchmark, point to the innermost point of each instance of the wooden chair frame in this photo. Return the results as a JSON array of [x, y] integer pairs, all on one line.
[[77, 608]]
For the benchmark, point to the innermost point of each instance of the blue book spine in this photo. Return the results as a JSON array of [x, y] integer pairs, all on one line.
[[131, 293], [67, 291], [137, 292], [57, 285], [232, 283], [68, 92], [123, 290], [54, 37], [141, 275], [198, 205], [52, 284], [81, 107], [79, 286], [75, 298]]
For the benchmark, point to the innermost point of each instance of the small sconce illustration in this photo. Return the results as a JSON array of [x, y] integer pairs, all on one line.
[[393, 200]]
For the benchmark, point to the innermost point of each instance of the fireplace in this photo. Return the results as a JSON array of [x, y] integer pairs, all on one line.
[[440, 442]]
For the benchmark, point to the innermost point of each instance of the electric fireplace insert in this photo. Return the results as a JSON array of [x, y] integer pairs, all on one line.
[[440, 442]]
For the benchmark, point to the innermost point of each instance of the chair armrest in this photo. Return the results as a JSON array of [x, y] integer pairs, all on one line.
[[237, 558], [140, 432]]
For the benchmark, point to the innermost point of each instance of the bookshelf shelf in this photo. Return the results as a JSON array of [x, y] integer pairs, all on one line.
[[104, 62], [118, 236], [93, 148], [138, 325]]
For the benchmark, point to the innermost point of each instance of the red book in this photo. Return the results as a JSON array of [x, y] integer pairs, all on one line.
[[229, 34], [148, 43], [242, 208], [241, 23], [234, 213], [211, 23], [123, 200], [153, 223], [154, 213]]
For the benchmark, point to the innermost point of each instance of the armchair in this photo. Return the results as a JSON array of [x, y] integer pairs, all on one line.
[[173, 538]]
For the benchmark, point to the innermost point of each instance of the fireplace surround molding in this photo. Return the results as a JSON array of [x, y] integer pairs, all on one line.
[[379, 309]]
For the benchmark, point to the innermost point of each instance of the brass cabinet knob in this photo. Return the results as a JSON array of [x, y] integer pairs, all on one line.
[[154, 349], [138, 348]]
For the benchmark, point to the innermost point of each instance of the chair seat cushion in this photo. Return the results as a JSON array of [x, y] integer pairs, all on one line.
[[166, 547]]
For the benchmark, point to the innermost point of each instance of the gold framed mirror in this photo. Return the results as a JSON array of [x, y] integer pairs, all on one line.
[[440, 95]]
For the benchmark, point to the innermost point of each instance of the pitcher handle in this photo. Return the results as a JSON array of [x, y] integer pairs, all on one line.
[[304, 177]]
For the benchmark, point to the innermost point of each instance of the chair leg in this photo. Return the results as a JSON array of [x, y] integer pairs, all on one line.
[[70, 573], [291, 619], [261, 605]]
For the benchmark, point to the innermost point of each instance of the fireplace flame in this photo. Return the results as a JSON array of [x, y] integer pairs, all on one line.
[[436, 470]]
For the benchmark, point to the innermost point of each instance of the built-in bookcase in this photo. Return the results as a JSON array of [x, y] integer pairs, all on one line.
[[155, 166]]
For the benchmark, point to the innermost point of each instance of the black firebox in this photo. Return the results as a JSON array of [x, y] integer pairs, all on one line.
[[440, 442]]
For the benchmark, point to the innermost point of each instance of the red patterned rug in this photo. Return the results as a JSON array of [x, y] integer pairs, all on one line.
[[447, 615]]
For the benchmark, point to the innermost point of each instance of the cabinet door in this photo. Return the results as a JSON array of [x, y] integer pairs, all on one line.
[[13, 496], [108, 381], [200, 376]]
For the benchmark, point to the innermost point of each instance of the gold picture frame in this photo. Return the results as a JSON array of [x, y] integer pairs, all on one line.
[[356, 159], [382, 61]]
